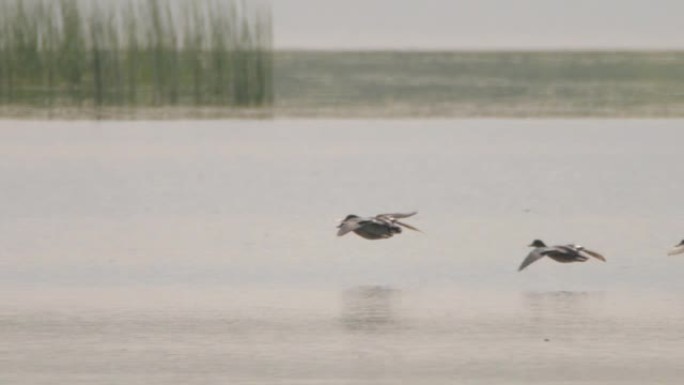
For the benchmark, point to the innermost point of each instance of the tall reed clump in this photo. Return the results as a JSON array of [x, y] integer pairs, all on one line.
[[135, 53]]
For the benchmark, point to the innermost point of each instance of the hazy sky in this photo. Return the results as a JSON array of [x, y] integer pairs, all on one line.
[[454, 24]]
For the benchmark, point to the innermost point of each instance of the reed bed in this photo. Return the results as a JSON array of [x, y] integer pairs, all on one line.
[[135, 53]]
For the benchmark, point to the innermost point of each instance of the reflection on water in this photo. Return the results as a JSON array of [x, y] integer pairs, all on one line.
[[365, 307], [556, 337], [560, 303], [563, 314]]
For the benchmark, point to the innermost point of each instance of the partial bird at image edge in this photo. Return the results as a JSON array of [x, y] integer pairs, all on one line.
[[677, 249]]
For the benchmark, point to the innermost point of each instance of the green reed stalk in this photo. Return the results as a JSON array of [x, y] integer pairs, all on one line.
[[3, 52], [72, 51], [49, 36], [194, 42]]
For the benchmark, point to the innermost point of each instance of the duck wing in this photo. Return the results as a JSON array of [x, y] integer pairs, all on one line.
[[392, 218], [676, 250], [584, 252], [532, 257], [407, 226], [592, 254], [350, 225], [395, 216]]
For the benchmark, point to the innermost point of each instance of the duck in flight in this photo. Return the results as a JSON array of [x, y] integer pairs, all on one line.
[[564, 253], [678, 249], [378, 227]]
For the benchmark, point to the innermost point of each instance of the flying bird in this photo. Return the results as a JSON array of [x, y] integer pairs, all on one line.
[[563, 254], [378, 227], [678, 249]]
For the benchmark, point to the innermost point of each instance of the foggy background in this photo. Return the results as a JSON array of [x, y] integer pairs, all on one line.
[[485, 24]]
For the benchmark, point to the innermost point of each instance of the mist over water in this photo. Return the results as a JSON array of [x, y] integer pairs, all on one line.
[[205, 252]]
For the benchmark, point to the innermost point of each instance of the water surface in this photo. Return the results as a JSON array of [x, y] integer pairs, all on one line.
[[205, 252]]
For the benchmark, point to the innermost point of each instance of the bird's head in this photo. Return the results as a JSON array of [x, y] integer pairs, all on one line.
[[537, 243], [351, 216]]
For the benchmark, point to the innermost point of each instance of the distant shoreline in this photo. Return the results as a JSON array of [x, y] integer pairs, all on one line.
[[440, 84], [208, 113]]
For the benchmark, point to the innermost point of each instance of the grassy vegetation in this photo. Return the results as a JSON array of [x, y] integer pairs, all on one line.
[[477, 84], [134, 53], [192, 58]]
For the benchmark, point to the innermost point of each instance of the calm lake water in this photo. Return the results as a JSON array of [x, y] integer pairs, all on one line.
[[193, 252]]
